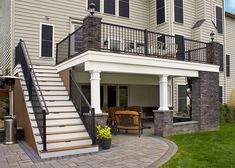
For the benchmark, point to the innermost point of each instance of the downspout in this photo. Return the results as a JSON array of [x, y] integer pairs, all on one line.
[[224, 39], [12, 36]]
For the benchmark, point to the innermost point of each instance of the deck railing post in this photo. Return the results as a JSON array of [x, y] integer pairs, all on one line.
[[44, 136], [146, 42], [93, 128], [69, 44], [57, 53]]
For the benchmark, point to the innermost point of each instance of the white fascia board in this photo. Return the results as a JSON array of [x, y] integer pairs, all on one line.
[[77, 60], [132, 61], [137, 69], [149, 61]]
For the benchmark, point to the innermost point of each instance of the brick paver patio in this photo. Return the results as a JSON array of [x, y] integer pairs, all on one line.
[[127, 151]]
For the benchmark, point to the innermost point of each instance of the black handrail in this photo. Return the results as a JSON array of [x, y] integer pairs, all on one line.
[[22, 58], [129, 40], [77, 96]]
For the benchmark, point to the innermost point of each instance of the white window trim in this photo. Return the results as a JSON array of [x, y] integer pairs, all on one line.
[[169, 94], [74, 22], [53, 40], [216, 20], [116, 8], [174, 12], [155, 6]]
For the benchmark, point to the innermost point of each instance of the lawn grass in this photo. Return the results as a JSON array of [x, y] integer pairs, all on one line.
[[205, 150]]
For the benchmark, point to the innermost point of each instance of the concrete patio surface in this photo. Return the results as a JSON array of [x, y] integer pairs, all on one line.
[[127, 151]]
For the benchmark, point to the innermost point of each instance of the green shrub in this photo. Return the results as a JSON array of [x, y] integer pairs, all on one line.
[[227, 114]]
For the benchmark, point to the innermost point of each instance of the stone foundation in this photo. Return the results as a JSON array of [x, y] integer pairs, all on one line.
[[205, 100], [163, 122], [185, 127]]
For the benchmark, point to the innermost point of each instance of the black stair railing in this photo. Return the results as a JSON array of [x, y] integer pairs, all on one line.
[[34, 91], [83, 107]]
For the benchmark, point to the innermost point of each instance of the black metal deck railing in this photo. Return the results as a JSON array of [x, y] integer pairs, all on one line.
[[69, 46], [83, 107], [126, 40], [34, 92]]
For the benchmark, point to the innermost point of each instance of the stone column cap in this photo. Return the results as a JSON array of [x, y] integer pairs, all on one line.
[[99, 114], [162, 111], [94, 17]]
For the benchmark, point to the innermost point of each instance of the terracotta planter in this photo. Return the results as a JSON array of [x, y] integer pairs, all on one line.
[[105, 143]]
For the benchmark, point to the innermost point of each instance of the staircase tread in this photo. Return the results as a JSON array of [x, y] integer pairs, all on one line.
[[67, 148], [60, 125], [63, 132], [65, 118], [56, 112], [65, 140]]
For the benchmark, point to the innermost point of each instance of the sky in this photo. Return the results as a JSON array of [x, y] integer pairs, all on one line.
[[230, 6]]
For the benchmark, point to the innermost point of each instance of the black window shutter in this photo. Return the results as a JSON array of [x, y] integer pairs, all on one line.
[[97, 4], [124, 8], [160, 6], [228, 65], [182, 97], [179, 11], [221, 68], [46, 41], [109, 6], [219, 19], [221, 94], [179, 40]]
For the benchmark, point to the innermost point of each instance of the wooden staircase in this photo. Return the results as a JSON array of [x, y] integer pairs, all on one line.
[[66, 134]]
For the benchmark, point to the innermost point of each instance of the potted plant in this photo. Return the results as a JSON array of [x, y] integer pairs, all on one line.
[[104, 136]]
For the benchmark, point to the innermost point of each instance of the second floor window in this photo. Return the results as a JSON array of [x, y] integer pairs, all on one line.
[[46, 40], [160, 7], [109, 6], [124, 8], [179, 16], [219, 19], [97, 4]]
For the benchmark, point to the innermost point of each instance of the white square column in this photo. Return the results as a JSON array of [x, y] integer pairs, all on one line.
[[163, 83], [95, 90]]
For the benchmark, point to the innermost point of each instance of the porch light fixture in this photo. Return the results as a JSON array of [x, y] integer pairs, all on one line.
[[212, 35], [92, 8]]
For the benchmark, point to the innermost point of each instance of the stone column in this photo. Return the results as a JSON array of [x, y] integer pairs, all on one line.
[[95, 91], [163, 122], [205, 100], [91, 33], [213, 53], [205, 92], [163, 117], [163, 83]]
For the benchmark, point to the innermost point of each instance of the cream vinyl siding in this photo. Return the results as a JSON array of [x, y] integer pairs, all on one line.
[[189, 16], [230, 50], [161, 28], [29, 15], [5, 37], [200, 9]]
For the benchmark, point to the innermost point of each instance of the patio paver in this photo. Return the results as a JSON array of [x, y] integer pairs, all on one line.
[[127, 151]]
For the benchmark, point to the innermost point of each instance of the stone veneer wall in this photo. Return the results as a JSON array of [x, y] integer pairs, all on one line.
[[185, 127], [91, 33], [205, 100]]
